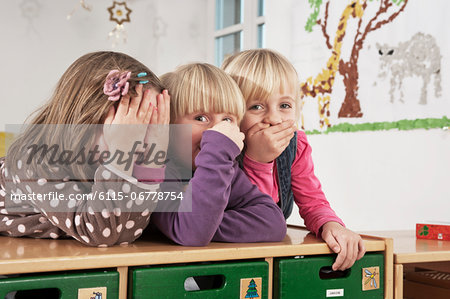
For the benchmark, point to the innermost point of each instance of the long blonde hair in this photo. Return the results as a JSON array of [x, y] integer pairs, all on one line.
[[78, 99], [202, 87]]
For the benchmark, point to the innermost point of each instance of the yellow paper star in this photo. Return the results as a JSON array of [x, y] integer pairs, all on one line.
[[119, 12]]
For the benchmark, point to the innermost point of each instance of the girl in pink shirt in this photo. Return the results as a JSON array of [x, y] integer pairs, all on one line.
[[277, 156]]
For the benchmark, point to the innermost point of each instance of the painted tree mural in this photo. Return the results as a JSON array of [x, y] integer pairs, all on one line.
[[322, 85]]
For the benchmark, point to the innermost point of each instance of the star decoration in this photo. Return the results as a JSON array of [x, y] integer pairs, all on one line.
[[119, 12]]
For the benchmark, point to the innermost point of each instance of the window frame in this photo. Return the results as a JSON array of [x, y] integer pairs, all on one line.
[[248, 27]]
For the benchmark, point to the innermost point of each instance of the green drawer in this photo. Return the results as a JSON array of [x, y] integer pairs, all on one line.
[[240, 279], [301, 278], [96, 285]]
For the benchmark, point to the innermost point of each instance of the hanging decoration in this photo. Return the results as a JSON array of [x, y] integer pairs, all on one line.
[[30, 10], [83, 5], [119, 13], [159, 27]]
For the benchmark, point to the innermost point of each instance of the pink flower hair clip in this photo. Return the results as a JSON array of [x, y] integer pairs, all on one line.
[[116, 84]]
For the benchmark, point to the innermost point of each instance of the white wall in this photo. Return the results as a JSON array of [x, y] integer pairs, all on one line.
[[36, 50], [385, 180]]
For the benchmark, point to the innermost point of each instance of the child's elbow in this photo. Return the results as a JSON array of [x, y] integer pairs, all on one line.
[[274, 232], [278, 227], [94, 241], [193, 242], [106, 239], [280, 231]]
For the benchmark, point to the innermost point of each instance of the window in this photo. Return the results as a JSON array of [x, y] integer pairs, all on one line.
[[238, 25], [260, 24]]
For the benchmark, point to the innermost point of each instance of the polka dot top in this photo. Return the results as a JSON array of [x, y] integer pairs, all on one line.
[[68, 209]]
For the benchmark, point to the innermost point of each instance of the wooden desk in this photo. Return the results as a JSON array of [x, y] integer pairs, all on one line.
[[409, 250], [24, 255]]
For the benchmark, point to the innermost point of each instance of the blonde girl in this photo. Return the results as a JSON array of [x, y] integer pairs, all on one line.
[[223, 204], [95, 98], [277, 156]]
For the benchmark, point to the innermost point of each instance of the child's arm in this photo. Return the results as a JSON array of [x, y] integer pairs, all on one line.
[[251, 216], [79, 212], [348, 245], [98, 221], [157, 135], [316, 211], [264, 144], [125, 129], [313, 206], [208, 192], [261, 175], [224, 202], [225, 205]]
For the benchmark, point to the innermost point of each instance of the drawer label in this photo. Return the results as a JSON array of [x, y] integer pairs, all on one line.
[[370, 278], [92, 293], [251, 288], [335, 293]]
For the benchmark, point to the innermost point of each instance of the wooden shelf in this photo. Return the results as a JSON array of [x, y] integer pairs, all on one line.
[[409, 249], [25, 255]]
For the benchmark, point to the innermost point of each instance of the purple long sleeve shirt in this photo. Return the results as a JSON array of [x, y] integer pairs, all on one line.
[[226, 206]]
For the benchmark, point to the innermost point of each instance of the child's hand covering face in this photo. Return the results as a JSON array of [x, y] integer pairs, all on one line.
[[158, 131], [231, 130], [269, 126], [135, 111], [265, 143], [201, 121]]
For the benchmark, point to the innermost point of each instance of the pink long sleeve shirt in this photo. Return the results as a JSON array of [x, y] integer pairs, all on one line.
[[313, 206]]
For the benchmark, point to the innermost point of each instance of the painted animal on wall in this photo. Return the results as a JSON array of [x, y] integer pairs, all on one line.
[[420, 56], [370, 16]]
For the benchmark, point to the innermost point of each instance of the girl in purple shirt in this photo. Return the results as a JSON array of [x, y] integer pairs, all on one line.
[[224, 205]]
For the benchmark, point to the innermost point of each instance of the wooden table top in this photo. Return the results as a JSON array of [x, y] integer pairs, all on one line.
[[409, 249], [26, 255]]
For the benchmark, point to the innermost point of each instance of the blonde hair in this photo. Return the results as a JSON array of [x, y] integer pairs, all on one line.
[[202, 87], [78, 99], [262, 72]]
